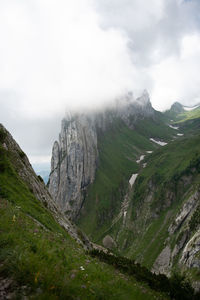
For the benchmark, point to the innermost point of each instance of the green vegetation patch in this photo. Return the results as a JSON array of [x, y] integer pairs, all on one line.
[[189, 115], [177, 286], [37, 254], [119, 148], [51, 265], [166, 166], [171, 175], [155, 128], [2, 134]]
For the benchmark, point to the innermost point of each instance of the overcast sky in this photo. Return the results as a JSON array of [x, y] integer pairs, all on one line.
[[57, 55]]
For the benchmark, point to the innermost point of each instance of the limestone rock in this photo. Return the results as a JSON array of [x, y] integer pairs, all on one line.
[[162, 262], [73, 164], [180, 243], [185, 212], [109, 242], [190, 256]]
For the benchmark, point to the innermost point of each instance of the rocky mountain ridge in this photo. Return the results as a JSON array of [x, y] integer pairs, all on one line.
[[133, 141], [75, 156]]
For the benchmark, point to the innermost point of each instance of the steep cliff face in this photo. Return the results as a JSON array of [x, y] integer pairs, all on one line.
[[74, 160], [75, 155]]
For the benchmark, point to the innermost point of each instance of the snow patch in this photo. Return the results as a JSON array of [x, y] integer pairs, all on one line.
[[180, 134], [173, 127], [140, 159], [132, 179], [149, 152], [158, 142], [144, 165]]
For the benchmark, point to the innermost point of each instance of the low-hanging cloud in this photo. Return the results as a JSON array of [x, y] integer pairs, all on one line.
[[160, 31], [54, 55], [57, 55]]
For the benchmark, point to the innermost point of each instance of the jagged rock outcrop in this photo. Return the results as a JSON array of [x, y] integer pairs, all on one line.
[[130, 111], [108, 242], [162, 263], [187, 242], [185, 212], [190, 254], [74, 161], [75, 155], [177, 107]]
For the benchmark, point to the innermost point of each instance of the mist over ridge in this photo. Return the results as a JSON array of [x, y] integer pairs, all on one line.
[[57, 56]]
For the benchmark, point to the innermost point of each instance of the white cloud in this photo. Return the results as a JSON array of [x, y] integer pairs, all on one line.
[[164, 44], [177, 77], [54, 55], [61, 54]]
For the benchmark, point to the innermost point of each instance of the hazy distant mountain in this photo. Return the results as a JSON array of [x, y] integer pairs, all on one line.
[[42, 169]]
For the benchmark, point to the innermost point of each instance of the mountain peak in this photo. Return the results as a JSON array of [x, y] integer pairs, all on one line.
[[177, 107]]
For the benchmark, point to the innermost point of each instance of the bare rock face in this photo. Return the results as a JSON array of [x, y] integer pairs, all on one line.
[[162, 262], [108, 242], [130, 110], [190, 254], [73, 164], [185, 212], [75, 155], [187, 246]]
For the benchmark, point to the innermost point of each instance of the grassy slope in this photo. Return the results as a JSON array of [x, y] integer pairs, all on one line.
[[189, 122], [39, 255], [164, 168], [189, 115], [155, 128], [182, 116], [119, 148], [140, 240]]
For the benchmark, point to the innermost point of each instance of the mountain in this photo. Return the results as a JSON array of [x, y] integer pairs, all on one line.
[[44, 256], [129, 178], [179, 112], [42, 169], [76, 155]]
